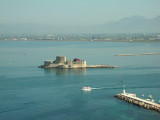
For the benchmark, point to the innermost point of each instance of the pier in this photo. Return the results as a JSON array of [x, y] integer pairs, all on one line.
[[137, 54], [131, 98], [101, 66]]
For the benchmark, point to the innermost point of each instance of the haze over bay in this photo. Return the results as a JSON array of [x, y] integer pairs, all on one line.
[[85, 16], [111, 47]]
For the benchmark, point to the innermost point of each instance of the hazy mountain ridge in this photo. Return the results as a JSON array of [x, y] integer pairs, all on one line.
[[134, 24]]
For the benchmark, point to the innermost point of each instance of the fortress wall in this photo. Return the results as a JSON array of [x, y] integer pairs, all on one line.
[[61, 60], [48, 62], [53, 65], [78, 64]]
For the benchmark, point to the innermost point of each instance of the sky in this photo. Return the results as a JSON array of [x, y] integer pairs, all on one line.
[[75, 12]]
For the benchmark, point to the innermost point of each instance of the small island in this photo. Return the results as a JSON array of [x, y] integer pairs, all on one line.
[[61, 62]]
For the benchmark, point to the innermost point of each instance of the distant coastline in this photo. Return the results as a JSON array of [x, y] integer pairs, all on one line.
[[117, 37], [138, 41]]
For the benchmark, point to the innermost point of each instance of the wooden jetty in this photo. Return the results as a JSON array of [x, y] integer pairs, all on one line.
[[131, 98], [136, 54]]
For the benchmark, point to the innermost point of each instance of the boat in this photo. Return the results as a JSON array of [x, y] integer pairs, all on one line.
[[86, 89]]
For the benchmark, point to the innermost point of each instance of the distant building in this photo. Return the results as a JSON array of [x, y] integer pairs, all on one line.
[[24, 38], [61, 62]]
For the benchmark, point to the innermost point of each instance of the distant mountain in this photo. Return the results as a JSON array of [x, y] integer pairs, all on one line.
[[134, 24]]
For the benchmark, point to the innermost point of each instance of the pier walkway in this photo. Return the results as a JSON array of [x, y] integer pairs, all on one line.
[[137, 54], [142, 100], [131, 98], [101, 66]]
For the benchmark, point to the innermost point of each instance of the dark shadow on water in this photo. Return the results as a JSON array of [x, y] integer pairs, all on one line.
[[64, 72]]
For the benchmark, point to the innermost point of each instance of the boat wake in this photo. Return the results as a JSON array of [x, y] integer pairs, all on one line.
[[100, 88], [120, 87]]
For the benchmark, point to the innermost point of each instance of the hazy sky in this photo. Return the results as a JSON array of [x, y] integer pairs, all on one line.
[[74, 12]]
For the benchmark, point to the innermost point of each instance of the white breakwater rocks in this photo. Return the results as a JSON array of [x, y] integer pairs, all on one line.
[[131, 98]]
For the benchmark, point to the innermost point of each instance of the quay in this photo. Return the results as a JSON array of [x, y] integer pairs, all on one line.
[[131, 98], [136, 54]]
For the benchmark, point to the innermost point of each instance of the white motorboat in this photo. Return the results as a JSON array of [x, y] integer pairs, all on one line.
[[86, 89]]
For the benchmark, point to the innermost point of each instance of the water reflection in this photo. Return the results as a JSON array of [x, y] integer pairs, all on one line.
[[64, 72]]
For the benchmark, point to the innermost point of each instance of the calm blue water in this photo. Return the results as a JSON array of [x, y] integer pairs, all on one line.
[[31, 93]]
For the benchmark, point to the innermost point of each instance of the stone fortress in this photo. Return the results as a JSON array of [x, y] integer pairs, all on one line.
[[61, 62]]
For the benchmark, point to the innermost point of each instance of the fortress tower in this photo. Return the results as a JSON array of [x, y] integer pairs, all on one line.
[[60, 59]]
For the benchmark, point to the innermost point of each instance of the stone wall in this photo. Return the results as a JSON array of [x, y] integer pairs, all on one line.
[[137, 102]]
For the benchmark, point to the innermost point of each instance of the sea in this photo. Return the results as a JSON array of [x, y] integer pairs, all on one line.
[[31, 93]]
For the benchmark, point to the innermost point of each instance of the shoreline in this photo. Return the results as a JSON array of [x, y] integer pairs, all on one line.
[[125, 41]]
